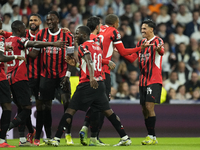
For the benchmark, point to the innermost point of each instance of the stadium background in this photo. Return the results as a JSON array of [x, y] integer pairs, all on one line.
[[178, 25]]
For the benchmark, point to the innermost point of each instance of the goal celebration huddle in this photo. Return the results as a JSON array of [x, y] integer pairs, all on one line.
[[39, 62]]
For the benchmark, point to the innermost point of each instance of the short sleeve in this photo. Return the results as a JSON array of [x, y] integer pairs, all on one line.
[[83, 50], [22, 42], [70, 43], [38, 38], [2, 44], [116, 37]]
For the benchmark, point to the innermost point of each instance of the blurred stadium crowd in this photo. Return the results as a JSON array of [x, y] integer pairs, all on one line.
[[178, 24]]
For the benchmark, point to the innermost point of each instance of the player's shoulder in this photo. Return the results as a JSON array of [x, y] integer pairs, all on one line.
[[139, 43], [42, 30], [158, 40], [68, 33]]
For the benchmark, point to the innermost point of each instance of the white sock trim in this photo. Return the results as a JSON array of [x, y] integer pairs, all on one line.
[[2, 141], [124, 137], [151, 136], [22, 139]]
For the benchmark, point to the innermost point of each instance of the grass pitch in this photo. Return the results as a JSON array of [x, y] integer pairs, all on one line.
[[163, 144]]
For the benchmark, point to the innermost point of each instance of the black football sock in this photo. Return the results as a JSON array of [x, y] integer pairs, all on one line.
[[101, 121], [21, 126], [117, 124], [87, 118], [39, 124], [151, 125], [21, 129], [23, 115], [5, 121], [63, 125], [47, 122], [69, 127], [29, 125], [94, 123]]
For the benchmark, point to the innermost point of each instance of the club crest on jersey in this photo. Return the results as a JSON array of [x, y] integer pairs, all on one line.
[[144, 57]]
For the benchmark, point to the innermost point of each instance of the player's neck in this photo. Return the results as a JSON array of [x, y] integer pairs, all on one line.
[[34, 32], [150, 37], [94, 32], [54, 30]]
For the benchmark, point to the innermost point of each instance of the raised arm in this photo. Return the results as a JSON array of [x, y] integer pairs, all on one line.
[[40, 44], [131, 58]]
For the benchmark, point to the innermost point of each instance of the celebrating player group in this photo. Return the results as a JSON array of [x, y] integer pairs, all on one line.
[[39, 62]]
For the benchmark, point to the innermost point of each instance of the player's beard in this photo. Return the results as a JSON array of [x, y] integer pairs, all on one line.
[[34, 29]]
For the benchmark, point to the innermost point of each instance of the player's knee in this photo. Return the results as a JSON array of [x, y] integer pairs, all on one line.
[[6, 106], [47, 105], [149, 108]]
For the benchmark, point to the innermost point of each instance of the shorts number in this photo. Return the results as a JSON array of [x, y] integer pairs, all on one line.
[[97, 61]]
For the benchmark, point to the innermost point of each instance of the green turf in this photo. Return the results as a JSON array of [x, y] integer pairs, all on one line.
[[163, 144]]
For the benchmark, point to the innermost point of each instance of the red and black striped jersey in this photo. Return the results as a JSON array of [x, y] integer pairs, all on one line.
[[2, 50], [96, 54], [17, 70], [150, 62], [33, 65], [97, 40], [53, 63], [109, 37]]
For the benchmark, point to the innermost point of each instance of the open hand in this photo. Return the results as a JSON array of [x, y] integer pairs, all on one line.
[[65, 30], [21, 58], [65, 84], [158, 48], [70, 60], [60, 43], [93, 83], [9, 48], [111, 65], [146, 44]]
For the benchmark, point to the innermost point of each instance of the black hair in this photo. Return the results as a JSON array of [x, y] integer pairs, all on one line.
[[22, 4], [37, 15], [150, 23], [13, 6], [55, 13], [85, 30], [16, 25], [93, 22], [179, 25], [7, 14], [111, 19], [124, 18], [71, 24]]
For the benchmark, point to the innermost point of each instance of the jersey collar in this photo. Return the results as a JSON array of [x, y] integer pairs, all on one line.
[[56, 33], [89, 41], [31, 33], [151, 39]]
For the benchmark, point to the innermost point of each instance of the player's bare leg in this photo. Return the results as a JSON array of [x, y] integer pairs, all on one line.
[[150, 120]]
